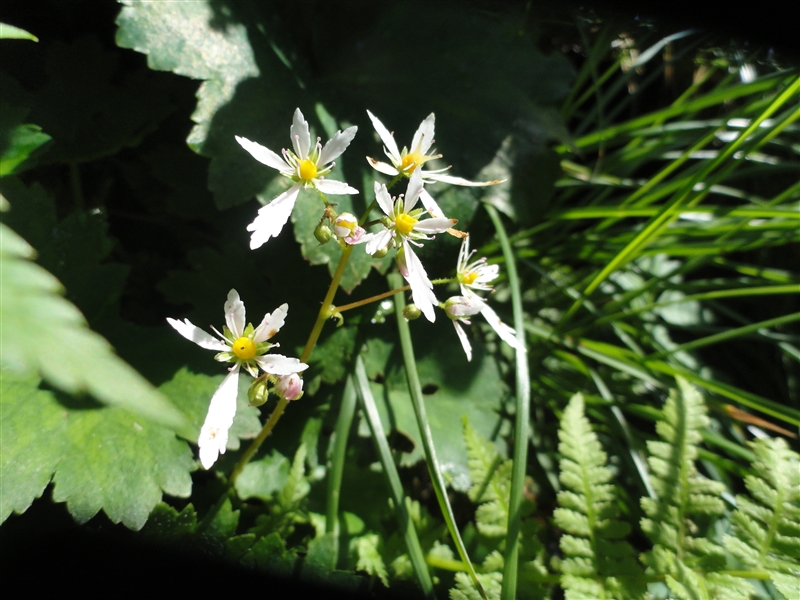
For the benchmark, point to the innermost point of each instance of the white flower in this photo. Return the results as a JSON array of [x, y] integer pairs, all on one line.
[[458, 308], [246, 347], [306, 166], [404, 228], [476, 276], [407, 161], [347, 228]]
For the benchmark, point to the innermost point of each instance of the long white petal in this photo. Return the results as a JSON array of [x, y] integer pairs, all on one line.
[[386, 137], [459, 180], [197, 335], [413, 190], [378, 241], [384, 199], [336, 145], [264, 155], [428, 226], [277, 364], [235, 314], [382, 167], [336, 188], [462, 335], [430, 204], [213, 436], [272, 217], [506, 333], [421, 286], [271, 324], [423, 138], [301, 138]]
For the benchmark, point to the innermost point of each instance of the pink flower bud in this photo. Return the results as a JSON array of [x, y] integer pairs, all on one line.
[[460, 307], [290, 387]]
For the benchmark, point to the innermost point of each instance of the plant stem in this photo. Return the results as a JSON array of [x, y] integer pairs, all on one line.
[[415, 389], [522, 417], [372, 299], [324, 313]]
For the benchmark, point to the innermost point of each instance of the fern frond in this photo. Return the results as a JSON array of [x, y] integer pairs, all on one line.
[[597, 562], [684, 494], [491, 483], [767, 527]]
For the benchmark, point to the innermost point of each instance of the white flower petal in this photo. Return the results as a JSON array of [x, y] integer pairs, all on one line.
[[428, 226], [506, 333], [272, 217], [197, 335], [277, 364], [423, 138], [413, 191], [301, 138], [421, 286], [271, 324], [213, 436], [462, 335], [464, 306], [335, 188], [430, 205], [235, 314], [384, 199], [382, 167], [377, 241], [386, 137], [459, 180], [264, 155], [336, 145]]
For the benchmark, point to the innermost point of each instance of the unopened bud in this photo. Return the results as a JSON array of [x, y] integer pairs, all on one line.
[[290, 387], [461, 307], [258, 393], [411, 312], [323, 233]]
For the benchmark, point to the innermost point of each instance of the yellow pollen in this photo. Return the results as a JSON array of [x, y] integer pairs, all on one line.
[[468, 278], [404, 224], [411, 161], [307, 170], [244, 348]]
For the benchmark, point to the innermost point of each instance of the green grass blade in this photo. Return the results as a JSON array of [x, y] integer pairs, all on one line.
[[390, 469], [415, 389], [522, 416]]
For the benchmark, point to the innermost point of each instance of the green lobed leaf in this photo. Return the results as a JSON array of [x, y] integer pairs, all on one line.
[[99, 458], [42, 331]]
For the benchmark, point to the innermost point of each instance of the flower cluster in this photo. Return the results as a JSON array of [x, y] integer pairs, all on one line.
[[246, 347]]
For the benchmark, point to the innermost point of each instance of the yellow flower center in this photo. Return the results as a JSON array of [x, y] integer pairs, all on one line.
[[404, 223], [411, 161], [468, 278], [307, 170], [244, 348]]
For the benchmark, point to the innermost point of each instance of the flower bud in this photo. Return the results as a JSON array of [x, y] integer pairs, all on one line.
[[461, 307], [347, 228], [411, 312], [290, 387], [258, 392], [323, 233]]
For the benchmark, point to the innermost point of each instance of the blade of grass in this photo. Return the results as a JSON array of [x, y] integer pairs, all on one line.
[[393, 478], [521, 415], [342, 432], [415, 389]]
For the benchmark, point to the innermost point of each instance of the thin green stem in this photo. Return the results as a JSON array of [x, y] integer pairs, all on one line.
[[371, 299], [256, 443], [336, 465], [522, 415], [415, 389], [405, 523]]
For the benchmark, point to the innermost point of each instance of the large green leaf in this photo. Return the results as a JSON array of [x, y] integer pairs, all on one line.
[[44, 332], [98, 457]]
